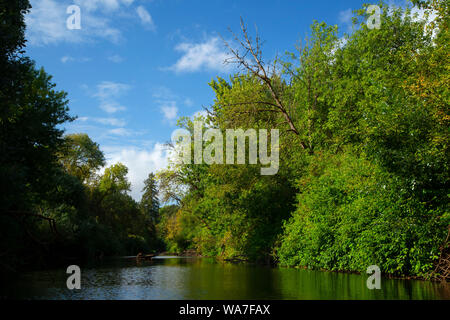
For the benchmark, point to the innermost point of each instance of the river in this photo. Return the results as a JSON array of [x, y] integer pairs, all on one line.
[[203, 278]]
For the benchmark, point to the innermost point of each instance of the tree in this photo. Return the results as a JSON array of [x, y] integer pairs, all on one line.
[[30, 115], [363, 171], [81, 157], [12, 27], [114, 180], [266, 73], [149, 202], [31, 111], [51, 199]]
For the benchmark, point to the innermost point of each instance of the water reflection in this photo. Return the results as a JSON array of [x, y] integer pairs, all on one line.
[[201, 278]]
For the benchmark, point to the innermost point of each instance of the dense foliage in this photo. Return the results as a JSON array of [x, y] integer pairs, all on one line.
[[54, 203], [363, 175], [364, 160]]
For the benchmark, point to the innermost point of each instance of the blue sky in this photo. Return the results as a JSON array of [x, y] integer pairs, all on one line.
[[137, 65]]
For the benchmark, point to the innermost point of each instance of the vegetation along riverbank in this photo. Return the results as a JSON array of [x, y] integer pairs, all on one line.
[[363, 175]]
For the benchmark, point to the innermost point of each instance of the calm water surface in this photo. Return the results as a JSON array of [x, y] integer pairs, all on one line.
[[202, 278]]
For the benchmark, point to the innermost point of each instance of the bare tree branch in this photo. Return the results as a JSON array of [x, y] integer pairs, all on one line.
[[257, 67]]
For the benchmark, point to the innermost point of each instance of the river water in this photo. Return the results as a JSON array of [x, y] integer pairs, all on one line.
[[203, 278]]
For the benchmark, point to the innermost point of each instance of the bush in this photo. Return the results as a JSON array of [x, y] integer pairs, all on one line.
[[352, 215]]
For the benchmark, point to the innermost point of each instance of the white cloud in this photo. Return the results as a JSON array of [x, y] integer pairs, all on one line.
[[140, 163], [345, 16], [120, 132], [115, 58], [108, 92], [46, 22], [169, 110], [168, 102], [208, 55], [104, 5], [106, 121], [164, 93], [109, 89], [188, 102], [146, 18], [111, 121], [111, 107], [67, 59]]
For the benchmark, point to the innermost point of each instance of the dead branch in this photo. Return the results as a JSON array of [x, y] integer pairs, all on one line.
[[257, 67]]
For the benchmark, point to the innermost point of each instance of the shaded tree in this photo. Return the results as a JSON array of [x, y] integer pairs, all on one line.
[[149, 202]]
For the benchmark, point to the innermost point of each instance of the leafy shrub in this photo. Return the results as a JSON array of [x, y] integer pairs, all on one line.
[[352, 215]]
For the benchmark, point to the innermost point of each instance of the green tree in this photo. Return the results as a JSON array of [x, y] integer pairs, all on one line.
[[363, 174], [114, 180], [149, 202], [81, 157], [30, 135], [12, 28]]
